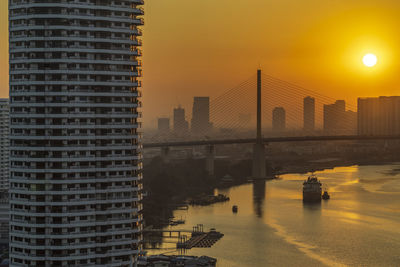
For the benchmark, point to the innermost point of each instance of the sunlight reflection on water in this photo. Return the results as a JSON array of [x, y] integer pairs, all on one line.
[[358, 226]]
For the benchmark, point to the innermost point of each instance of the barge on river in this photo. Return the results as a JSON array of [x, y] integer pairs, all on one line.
[[312, 190]]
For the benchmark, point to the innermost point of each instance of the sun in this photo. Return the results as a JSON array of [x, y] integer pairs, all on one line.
[[370, 60]]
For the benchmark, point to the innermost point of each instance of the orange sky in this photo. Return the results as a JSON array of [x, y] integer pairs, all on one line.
[[204, 47]]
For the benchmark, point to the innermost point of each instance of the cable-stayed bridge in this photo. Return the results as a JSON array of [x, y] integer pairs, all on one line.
[[232, 114]]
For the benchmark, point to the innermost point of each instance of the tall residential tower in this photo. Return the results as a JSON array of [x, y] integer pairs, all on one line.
[[379, 115], [334, 117], [4, 143], [76, 171], [181, 126], [201, 115], [309, 113], [278, 119], [4, 171], [163, 126]]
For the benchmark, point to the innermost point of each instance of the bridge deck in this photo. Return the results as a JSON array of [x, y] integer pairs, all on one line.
[[271, 140]]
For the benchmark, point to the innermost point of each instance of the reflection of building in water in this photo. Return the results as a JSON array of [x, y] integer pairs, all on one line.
[[258, 197]]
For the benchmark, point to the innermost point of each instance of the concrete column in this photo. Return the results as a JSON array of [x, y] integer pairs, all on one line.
[[259, 135], [165, 153], [259, 166], [210, 158]]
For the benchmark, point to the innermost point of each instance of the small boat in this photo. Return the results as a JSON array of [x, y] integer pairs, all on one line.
[[181, 221], [325, 195], [176, 222], [234, 209]]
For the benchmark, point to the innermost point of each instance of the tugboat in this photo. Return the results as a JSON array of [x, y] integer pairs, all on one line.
[[234, 209], [312, 189], [325, 195]]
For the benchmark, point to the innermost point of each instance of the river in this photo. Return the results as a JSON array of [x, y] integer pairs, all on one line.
[[358, 226]]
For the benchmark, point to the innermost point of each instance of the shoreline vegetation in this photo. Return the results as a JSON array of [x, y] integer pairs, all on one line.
[[172, 185]]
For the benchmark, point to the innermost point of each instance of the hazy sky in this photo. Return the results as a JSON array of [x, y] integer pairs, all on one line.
[[204, 47]]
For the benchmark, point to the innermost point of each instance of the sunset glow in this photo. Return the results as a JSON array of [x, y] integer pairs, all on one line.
[[310, 43]]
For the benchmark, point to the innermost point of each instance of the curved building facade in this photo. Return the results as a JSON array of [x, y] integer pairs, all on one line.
[[75, 160]]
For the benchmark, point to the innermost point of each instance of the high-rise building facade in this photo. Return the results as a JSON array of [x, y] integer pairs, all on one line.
[[4, 143], [75, 161], [379, 115], [4, 220], [335, 117], [163, 125], [309, 113], [351, 122], [4, 171], [181, 126], [278, 119], [201, 115]]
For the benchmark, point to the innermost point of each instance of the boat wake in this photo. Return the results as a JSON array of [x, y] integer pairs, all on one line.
[[307, 249]]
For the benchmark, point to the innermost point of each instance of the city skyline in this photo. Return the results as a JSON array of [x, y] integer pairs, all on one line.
[[305, 120], [344, 30]]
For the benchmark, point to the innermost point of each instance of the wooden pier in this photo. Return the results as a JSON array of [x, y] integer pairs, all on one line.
[[199, 239], [170, 233]]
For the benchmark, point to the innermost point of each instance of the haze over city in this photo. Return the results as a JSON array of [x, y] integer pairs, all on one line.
[[204, 47]]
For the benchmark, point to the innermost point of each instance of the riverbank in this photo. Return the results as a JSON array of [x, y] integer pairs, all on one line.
[[170, 184], [205, 200], [275, 228]]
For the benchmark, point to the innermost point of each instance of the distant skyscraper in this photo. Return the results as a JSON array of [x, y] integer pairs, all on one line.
[[201, 115], [181, 126], [75, 150], [379, 115], [335, 117], [309, 113], [4, 143], [279, 119], [163, 125], [351, 122]]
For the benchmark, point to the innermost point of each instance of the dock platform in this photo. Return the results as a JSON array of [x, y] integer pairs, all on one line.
[[199, 240]]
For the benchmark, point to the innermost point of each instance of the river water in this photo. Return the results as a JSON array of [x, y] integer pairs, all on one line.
[[358, 226]]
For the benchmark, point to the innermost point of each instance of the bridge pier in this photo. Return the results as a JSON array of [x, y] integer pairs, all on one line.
[[259, 166], [210, 158], [165, 153]]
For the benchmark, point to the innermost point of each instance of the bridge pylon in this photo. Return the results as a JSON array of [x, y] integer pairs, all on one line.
[[259, 166]]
